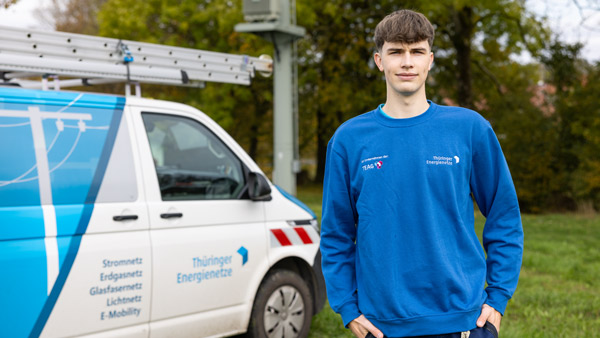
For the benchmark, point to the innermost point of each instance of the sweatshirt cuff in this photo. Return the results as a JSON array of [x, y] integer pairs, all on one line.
[[349, 312], [497, 301]]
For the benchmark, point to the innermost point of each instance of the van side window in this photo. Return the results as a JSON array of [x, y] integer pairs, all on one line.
[[191, 162]]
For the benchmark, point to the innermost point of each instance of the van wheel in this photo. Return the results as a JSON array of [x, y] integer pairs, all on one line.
[[283, 307]]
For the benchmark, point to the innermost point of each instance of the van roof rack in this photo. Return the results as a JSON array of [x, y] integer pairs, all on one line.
[[88, 60]]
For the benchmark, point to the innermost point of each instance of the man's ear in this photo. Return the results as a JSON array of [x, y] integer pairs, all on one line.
[[431, 61], [377, 58]]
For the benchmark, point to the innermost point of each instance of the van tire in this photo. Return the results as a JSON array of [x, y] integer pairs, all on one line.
[[283, 307]]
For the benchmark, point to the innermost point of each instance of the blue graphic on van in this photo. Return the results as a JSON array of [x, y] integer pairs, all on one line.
[[54, 147], [244, 252]]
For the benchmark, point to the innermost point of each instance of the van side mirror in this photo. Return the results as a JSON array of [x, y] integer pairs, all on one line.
[[258, 187]]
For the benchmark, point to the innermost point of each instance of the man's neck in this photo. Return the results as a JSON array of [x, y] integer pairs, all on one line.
[[403, 107]]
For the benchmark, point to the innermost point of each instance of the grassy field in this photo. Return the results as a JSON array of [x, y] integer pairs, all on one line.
[[559, 288]]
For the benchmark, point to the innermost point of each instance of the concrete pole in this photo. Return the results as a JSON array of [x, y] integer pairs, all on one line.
[[283, 121], [282, 34]]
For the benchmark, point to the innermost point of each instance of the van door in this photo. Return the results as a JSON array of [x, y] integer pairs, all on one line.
[[108, 288], [208, 238]]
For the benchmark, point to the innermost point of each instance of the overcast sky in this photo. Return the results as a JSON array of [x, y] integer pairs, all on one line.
[[564, 18]]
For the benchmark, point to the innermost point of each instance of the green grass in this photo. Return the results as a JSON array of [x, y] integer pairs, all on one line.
[[559, 288]]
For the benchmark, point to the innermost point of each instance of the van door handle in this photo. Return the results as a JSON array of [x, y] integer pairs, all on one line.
[[171, 215], [125, 217]]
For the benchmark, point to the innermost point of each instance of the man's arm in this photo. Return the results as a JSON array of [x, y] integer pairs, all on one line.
[[338, 248], [338, 235], [493, 189]]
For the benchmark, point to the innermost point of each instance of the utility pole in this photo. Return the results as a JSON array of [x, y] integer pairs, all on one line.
[[271, 19]]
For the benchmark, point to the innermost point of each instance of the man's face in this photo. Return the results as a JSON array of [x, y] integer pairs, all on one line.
[[405, 66]]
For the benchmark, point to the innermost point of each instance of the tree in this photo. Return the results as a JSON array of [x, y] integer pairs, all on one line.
[[525, 130], [472, 34], [338, 77], [586, 181], [245, 112], [577, 120]]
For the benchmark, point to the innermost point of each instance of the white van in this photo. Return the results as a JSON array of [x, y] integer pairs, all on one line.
[[130, 217]]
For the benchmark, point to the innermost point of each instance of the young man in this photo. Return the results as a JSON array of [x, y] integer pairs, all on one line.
[[400, 254]]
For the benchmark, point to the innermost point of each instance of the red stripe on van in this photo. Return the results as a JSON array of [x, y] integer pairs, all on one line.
[[281, 237], [303, 235]]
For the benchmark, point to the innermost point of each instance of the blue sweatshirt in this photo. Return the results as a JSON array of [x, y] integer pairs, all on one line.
[[397, 236]]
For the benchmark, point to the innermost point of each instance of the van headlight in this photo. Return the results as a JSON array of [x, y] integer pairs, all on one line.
[[304, 222], [315, 224]]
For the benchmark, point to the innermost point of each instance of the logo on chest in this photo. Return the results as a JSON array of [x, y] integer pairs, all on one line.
[[443, 160], [373, 162]]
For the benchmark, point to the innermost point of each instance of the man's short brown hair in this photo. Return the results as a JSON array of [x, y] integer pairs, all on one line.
[[404, 26]]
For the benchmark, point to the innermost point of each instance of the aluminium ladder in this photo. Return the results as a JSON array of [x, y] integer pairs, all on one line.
[[88, 60]]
